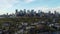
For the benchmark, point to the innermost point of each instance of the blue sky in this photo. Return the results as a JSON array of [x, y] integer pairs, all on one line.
[[9, 6]]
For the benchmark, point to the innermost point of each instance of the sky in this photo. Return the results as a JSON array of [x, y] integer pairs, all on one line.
[[9, 6]]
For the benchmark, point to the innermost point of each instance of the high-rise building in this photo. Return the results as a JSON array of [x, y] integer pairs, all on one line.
[[49, 12], [21, 12], [16, 12], [39, 11], [28, 12], [32, 12], [7, 14], [55, 12], [24, 11]]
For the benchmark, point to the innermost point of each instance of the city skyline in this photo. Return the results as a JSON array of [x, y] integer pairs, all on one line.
[[9, 6]]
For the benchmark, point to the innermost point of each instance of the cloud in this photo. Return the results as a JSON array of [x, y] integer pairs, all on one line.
[[28, 1], [46, 9], [8, 4], [5, 5]]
